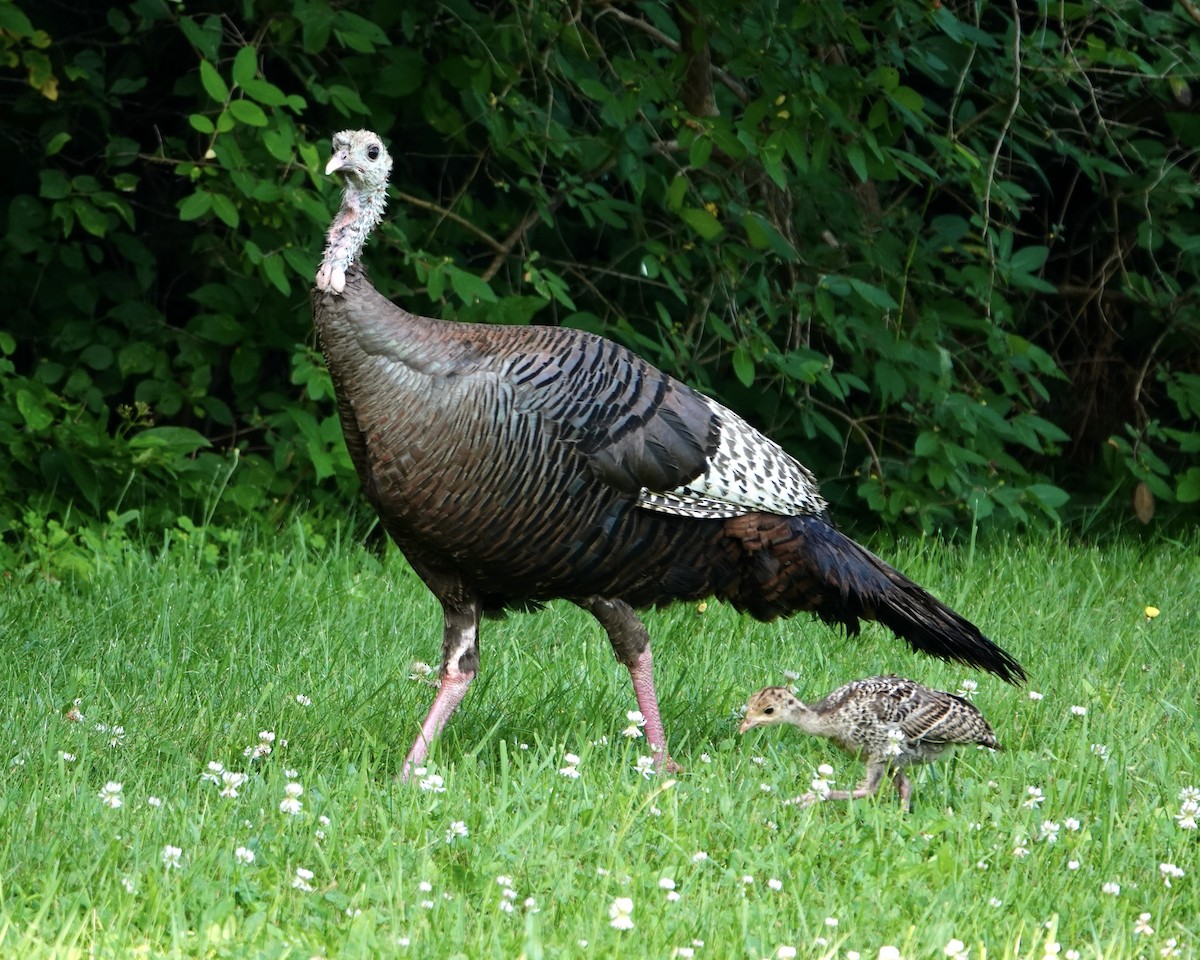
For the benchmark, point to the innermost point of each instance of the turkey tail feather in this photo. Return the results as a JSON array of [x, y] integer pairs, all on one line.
[[804, 563]]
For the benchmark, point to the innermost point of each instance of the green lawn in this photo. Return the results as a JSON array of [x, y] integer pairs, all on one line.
[[182, 658]]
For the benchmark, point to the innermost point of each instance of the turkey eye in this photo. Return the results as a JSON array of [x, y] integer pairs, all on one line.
[[373, 152], [769, 710]]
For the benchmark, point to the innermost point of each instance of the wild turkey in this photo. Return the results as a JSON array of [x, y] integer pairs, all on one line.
[[888, 721], [514, 465]]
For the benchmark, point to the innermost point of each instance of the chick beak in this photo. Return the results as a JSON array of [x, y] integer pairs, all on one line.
[[338, 161], [748, 724]]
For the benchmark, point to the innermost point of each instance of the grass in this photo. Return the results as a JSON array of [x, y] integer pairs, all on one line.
[[193, 651]]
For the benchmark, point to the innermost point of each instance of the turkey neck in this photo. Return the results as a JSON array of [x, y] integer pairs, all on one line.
[[360, 212]]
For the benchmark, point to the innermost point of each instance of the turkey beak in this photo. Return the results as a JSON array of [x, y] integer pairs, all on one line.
[[748, 724], [338, 161]]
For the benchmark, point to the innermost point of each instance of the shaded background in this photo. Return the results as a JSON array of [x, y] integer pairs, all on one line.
[[946, 253]]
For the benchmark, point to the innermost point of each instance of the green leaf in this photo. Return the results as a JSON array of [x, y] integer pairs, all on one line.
[[468, 287], [875, 296], [54, 185], [213, 85], [857, 160], [195, 206], [248, 112], [57, 142], [245, 65], [36, 416], [703, 222], [1188, 488], [223, 207], [202, 124], [743, 366]]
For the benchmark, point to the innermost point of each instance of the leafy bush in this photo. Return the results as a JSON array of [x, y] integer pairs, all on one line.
[[942, 255]]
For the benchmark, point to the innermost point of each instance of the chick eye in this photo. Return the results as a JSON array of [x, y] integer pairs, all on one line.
[[769, 710], [373, 152]]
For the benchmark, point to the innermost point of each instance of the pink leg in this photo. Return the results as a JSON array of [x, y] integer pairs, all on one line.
[[631, 644], [449, 696], [460, 662], [641, 672]]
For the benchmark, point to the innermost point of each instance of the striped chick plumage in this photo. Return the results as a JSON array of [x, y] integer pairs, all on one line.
[[889, 722]]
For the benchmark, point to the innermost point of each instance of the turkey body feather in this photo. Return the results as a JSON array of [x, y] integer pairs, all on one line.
[[513, 465]]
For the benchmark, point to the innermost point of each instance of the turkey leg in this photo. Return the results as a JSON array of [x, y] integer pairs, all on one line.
[[460, 663], [631, 643]]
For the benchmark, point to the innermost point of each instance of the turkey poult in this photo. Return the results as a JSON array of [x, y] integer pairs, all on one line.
[[890, 722], [514, 465]]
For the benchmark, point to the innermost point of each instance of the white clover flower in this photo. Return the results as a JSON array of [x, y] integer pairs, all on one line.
[[1034, 695], [831, 922], [1078, 711], [826, 771], [1071, 824], [684, 952], [620, 914], [300, 880], [508, 893], [1033, 797], [635, 717], [1100, 750], [504, 881], [995, 902], [645, 766], [956, 949], [506, 906], [291, 774], [1049, 831], [1189, 795], [291, 804], [455, 830], [895, 738], [1169, 872], [1141, 927], [672, 895], [118, 734], [889, 953], [632, 732], [571, 759], [243, 855], [1169, 948], [747, 879], [128, 884], [110, 794], [775, 883], [765, 787], [785, 952], [434, 783], [1112, 888], [66, 757], [425, 886], [230, 781], [213, 772], [705, 758], [699, 856], [170, 857], [303, 700], [666, 883], [1020, 850], [570, 772], [531, 905], [967, 689]]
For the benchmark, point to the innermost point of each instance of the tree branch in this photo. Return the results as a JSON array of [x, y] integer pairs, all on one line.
[[650, 30], [457, 218]]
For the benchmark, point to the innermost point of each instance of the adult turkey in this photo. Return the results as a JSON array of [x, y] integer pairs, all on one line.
[[514, 465]]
